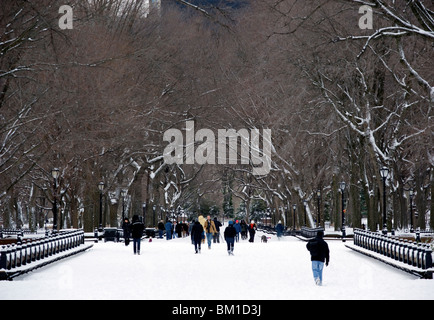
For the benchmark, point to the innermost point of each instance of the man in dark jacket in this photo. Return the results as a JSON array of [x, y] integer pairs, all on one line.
[[230, 234], [161, 228], [319, 253], [137, 228], [216, 237], [197, 235]]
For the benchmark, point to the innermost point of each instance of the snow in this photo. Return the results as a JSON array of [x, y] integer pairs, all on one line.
[[169, 270]]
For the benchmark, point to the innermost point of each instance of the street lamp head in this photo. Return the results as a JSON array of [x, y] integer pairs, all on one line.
[[123, 193], [411, 193], [55, 173], [294, 206], [342, 186], [318, 193], [384, 172], [101, 186]]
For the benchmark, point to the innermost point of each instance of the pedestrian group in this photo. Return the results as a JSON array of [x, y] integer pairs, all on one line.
[[208, 230]]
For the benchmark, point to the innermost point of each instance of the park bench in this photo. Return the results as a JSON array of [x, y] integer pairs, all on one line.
[[409, 256]]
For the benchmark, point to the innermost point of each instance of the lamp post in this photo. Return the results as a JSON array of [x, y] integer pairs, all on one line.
[[286, 217], [144, 208], [101, 187], [384, 173], [294, 206], [268, 217], [55, 173], [305, 214], [318, 197], [411, 192], [342, 186], [123, 194]]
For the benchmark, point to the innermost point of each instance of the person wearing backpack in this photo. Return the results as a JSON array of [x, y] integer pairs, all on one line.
[[137, 228], [319, 254], [230, 234]]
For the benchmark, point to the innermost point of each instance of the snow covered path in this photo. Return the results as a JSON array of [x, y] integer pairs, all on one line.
[[169, 270]]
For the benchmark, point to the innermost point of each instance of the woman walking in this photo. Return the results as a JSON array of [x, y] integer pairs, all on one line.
[[252, 231], [126, 225], [196, 236]]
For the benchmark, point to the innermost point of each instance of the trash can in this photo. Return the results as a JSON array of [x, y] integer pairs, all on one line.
[[111, 234]]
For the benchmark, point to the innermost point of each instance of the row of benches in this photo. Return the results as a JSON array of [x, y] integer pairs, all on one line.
[[407, 255], [14, 257]]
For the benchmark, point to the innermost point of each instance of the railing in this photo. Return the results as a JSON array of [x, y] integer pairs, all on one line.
[[310, 232], [18, 232], [413, 254], [272, 230], [31, 251]]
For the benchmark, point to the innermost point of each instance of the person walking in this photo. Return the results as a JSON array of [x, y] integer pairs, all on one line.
[[196, 236], [178, 229], [320, 254], [126, 225], [216, 237], [230, 234], [161, 228], [279, 229], [137, 228], [244, 228], [237, 227], [210, 230], [168, 226], [202, 220], [252, 231]]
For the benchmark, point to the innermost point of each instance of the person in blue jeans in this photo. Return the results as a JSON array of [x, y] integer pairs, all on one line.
[[237, 227], [137, 228], [230, 234], [210, 230], [168, 230], [320, 254], [279, 229]]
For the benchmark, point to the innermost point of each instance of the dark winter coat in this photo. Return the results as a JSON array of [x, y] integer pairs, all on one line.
[[319, 249], [237, 227], [197, 231], [126, 226], [217, 224], [279, 229], [137, 228], [243, 226], [252, 228], [230, 232]]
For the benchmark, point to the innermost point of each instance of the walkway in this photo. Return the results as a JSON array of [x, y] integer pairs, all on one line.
[[170, 270]]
